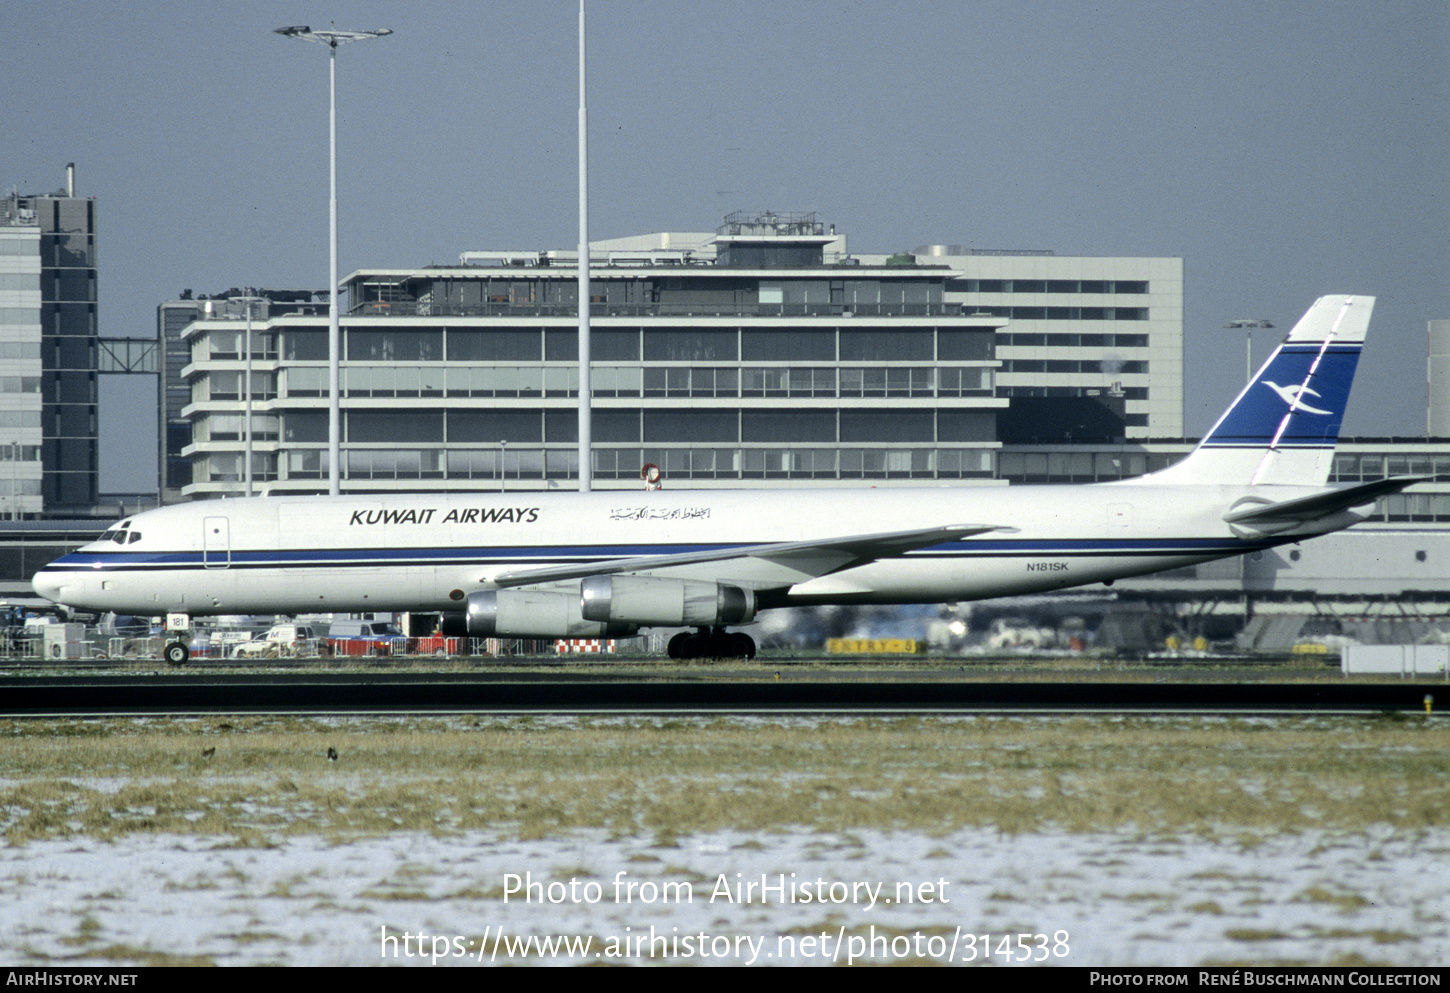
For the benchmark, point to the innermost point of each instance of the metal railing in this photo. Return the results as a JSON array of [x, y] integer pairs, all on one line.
[[416, 308], [102, 647]]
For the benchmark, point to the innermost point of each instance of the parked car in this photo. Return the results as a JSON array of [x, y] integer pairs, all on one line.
[[365, 638]]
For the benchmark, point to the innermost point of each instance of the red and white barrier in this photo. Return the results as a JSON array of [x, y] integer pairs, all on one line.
[[583, 646]]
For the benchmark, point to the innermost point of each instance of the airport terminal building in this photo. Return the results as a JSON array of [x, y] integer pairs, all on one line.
[[760, 354]]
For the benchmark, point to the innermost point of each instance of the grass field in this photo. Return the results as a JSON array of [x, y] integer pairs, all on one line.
[[1182, 840], [529, 776]]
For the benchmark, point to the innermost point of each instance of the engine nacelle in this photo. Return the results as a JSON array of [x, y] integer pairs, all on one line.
[[647, 600], [534, 614]]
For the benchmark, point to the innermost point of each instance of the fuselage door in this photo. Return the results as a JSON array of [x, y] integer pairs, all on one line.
[[216, 544]]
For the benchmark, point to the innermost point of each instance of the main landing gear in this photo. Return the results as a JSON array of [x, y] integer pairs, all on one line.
[[712, 643]]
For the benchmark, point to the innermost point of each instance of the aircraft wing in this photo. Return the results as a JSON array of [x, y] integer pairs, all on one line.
[[778, 564], [1312, 508]]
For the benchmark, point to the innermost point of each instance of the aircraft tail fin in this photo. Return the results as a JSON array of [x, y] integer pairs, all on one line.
[[1283, 426]]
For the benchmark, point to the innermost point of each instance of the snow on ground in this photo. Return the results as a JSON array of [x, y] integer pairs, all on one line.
[[1098, 899]]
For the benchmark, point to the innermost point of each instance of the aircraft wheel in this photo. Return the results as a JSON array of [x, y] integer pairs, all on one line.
[[742, 646], [676, 647], [177, 653]]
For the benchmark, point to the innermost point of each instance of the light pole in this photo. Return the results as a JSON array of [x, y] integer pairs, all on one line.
[[1248, 327], [331, 37], [586, 436]]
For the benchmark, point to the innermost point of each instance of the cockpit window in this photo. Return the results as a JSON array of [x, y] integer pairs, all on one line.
[[135, 536], [117, 533]]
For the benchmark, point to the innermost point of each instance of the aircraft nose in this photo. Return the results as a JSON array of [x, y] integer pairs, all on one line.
[[47, 584]]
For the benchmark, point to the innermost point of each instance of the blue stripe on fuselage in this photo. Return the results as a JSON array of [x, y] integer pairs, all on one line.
[[397, 557]]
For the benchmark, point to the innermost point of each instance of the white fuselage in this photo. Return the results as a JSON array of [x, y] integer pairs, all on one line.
[[424, 552]]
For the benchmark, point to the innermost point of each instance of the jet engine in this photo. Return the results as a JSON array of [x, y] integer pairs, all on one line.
[[604, 607], [530, 614], [647, 600]]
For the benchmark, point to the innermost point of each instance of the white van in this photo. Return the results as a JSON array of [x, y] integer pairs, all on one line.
[[280, 639]]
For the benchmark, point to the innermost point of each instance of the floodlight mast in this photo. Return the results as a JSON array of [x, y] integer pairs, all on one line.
[[1248, 326], [586, 458], [331, 37]]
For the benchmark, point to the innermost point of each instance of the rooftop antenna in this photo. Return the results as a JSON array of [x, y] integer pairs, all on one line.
[[586, 462]]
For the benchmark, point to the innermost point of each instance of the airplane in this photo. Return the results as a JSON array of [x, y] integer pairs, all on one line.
[[609, 563]]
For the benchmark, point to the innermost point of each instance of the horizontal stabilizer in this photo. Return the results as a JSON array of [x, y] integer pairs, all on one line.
[[804, 558], [1312, 508]]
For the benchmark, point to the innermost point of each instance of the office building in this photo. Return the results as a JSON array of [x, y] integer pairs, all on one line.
[[1094, 347], [174, 393], [1437, 374], [48, 353], [761, 354], [20, 414]]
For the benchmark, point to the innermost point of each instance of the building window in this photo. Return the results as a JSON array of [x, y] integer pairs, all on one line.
[[488, 345], [886, 345], [887, 425], [494, 426], [690, 426], [394, 345], [394, 426], [788, 345], [304, 345], [690, 345], [305, 426], [787, 425]]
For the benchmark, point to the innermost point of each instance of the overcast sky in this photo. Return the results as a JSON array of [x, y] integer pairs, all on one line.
[[1284, 150]]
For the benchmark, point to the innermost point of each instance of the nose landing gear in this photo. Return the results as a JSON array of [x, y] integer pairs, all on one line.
[[178, 628], [712, 643]]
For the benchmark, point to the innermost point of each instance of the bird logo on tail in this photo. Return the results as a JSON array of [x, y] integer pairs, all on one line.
[[1293, 396]]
